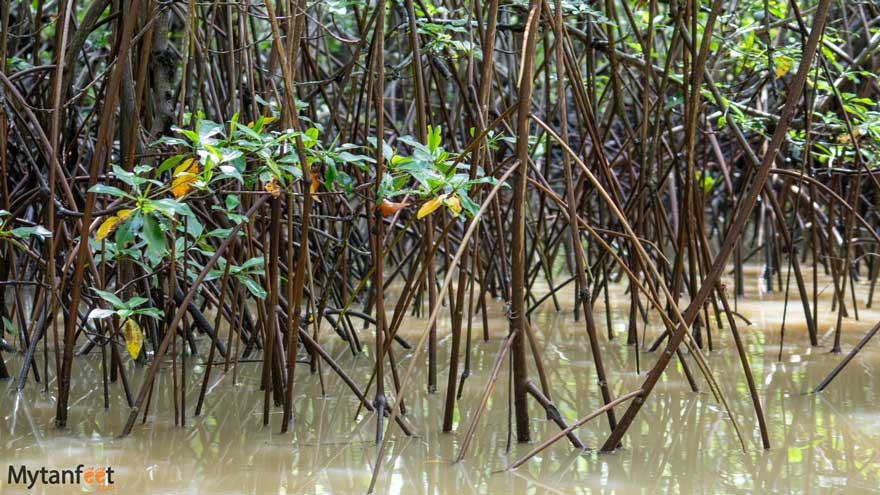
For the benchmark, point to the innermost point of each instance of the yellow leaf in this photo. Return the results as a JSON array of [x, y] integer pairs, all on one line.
[[454, 204], [272, 188], [313, 186], [134, 337], [107, 227], [430, 206], [783, 65], [190, 165], [184, 176], [266, 121]]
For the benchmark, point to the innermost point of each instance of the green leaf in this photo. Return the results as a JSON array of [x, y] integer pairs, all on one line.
[[128, 177], [433, 138], [110, 190], [346, 182], [256, 261], [170, 141], [386, 188], [110, 298], [192, 136], [250, 133], [422, 172], [293, 170], [359, 161], [311, 137], [484, 180], [127, 229], [26, 232], [330, 174], [167, 206], [8, 326], [169, 163], [254, 288], [468, 204], [155, 238], [219, 233], [706, 181], [151, 312], [208, 129], [135, 302]]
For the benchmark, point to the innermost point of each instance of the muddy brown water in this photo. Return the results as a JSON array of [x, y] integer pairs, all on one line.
[[682, 442]]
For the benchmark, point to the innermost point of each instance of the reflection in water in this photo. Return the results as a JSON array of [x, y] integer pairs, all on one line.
[[681, 442]]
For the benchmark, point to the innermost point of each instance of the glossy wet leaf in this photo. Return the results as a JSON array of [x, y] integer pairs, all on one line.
[[100, 313]]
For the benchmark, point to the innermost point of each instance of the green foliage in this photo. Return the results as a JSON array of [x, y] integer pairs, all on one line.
[[7, 326], [124, 309], [706, 181], [430, 171], [242, 273], [208, 158], [450, 34], [15, 235]]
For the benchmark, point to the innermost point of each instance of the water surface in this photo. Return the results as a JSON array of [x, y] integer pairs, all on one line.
[[681, 442]]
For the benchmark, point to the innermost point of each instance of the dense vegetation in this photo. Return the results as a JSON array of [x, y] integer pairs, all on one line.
[[257, 171]]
